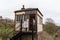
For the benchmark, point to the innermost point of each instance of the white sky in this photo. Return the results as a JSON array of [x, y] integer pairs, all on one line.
[[49, 8]]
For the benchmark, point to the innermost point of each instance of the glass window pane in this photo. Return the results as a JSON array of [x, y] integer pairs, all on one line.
[[25, 17], [19, 17], [26, 21]]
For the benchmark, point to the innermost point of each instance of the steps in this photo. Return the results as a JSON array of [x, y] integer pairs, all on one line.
[[15, 37]]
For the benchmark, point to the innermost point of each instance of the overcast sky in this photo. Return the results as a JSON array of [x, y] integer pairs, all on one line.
[[49, 8]]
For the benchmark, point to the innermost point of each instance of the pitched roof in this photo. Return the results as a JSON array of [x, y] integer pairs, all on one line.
[[28, 9]]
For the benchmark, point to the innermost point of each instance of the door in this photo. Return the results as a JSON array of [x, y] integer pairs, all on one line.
[[31, 22]]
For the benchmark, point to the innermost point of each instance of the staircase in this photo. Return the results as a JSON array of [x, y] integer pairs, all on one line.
[[15, 37], [21, 34]]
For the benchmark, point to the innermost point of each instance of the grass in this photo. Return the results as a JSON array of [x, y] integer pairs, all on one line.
[[46, 36], [0, 38], [8, 31]]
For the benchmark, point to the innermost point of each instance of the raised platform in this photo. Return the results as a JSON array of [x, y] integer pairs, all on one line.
[[18, 35]]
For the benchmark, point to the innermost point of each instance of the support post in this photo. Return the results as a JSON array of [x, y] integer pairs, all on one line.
[[32, 31], [21, 26], [21, 29]]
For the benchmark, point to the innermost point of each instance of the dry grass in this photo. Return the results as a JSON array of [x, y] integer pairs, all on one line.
[[46, 36]]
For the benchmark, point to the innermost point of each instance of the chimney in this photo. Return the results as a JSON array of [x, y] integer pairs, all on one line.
[[23, 7]]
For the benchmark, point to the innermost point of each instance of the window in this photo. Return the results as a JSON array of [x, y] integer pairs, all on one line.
[[25, 17], [19, 17], [40, 20]]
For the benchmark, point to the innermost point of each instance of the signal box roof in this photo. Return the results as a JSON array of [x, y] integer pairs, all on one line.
[[28, 9]]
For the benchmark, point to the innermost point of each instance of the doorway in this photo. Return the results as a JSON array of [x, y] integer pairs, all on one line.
[[31, 22]]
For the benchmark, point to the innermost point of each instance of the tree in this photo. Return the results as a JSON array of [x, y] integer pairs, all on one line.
[[6, 27], [50, 26]]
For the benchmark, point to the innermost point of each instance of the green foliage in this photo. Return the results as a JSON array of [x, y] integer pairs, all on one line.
[[58, 27], [5, 28], [50, 27]]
